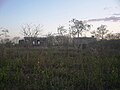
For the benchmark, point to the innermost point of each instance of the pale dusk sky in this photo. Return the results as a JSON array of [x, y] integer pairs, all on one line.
[[52, 13]]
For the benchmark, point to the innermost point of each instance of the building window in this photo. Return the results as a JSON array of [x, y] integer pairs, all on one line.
[[38, 42], [33, 42]]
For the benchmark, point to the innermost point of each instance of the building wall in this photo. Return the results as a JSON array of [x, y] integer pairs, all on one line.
[[83, 42], [31, 41], [59, 41]]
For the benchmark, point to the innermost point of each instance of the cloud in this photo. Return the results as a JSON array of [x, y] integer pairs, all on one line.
[[116, 14], [111, 8], [112, 18]]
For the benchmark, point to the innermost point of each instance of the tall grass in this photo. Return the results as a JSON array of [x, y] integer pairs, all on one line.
[[56, 69]]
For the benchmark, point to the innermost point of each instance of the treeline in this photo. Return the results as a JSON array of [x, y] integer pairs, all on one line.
[[77, 28]]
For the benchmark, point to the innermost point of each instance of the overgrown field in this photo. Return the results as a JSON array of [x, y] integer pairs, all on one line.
[[56, 69]]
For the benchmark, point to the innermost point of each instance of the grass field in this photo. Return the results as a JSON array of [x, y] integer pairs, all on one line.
[[56, 69]]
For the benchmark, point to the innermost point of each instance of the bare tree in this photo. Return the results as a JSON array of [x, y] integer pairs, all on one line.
[[79, 27], [30, 30], [100, 32]]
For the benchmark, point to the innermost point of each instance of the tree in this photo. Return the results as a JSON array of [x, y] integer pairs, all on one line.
[[4, 35], [100, 32], [29, 30], [4, 32], [61, 30], [15, 40], [78, 27], [117, 35], [110, 36]]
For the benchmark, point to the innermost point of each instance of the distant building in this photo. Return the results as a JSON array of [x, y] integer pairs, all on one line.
[[33, 41], [83, 42]]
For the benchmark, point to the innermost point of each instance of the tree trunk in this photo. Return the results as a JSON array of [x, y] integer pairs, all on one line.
[[78, 33]]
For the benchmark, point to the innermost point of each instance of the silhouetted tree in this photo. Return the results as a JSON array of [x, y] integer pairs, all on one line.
[[117, 35], [111, 36], [63, 38], [30, 30], [61, 30], [4, 35], [100, 32], [79, 27]]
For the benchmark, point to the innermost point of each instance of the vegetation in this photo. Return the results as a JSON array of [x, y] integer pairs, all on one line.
[[30, 30], [100, 32], [60, 69], [34, 68]]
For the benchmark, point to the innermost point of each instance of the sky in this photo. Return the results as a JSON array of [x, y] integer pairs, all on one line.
[[52, 13]]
